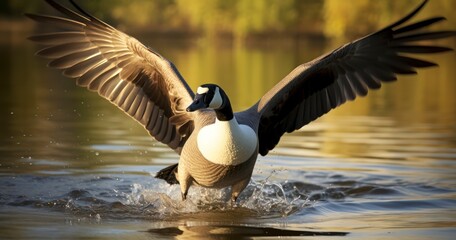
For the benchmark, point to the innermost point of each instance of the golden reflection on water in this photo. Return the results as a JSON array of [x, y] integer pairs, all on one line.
[[246, 73]]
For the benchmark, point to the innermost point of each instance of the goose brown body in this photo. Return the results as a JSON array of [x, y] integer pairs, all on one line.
[[150, 89]]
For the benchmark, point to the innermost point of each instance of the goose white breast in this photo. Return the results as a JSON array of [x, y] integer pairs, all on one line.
[[227, 142]]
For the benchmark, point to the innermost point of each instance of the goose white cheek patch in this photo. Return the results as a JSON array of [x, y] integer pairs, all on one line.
[[202, 90], [217, 100]]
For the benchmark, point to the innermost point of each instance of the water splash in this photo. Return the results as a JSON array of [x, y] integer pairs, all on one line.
[[263, 198], [271, 199], [96, 198]]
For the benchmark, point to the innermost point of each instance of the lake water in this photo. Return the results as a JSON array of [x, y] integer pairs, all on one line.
[[74, 166]]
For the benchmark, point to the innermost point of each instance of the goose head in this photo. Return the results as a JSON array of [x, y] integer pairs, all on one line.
[[211, 96]]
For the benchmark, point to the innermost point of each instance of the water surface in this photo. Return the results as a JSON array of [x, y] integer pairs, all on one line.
[[74, 166]]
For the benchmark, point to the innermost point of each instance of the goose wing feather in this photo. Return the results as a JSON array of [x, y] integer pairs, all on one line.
[[136, 79], [314, 88]]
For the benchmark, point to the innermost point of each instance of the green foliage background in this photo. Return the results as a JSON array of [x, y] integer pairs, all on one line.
[[241, 19]]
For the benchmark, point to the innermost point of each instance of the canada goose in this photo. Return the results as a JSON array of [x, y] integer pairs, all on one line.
[[218, 148]]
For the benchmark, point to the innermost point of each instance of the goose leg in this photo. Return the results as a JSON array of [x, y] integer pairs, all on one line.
[[185, 180], [237, 188]]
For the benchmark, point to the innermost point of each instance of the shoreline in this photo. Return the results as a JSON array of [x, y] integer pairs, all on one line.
[[26, 26]]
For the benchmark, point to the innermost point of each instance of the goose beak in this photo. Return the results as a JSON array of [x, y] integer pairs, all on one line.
[[198, 103]]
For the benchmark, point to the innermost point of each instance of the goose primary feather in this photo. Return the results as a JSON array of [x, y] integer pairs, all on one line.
[[218, 148]]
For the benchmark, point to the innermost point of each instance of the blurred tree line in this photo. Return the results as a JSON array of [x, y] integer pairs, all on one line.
[[244, 18]]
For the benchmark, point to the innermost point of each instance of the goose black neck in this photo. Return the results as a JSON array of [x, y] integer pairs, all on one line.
[[225, 112]]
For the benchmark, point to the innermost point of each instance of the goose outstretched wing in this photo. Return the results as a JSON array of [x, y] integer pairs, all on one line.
[[136, 79], [314, 88]]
